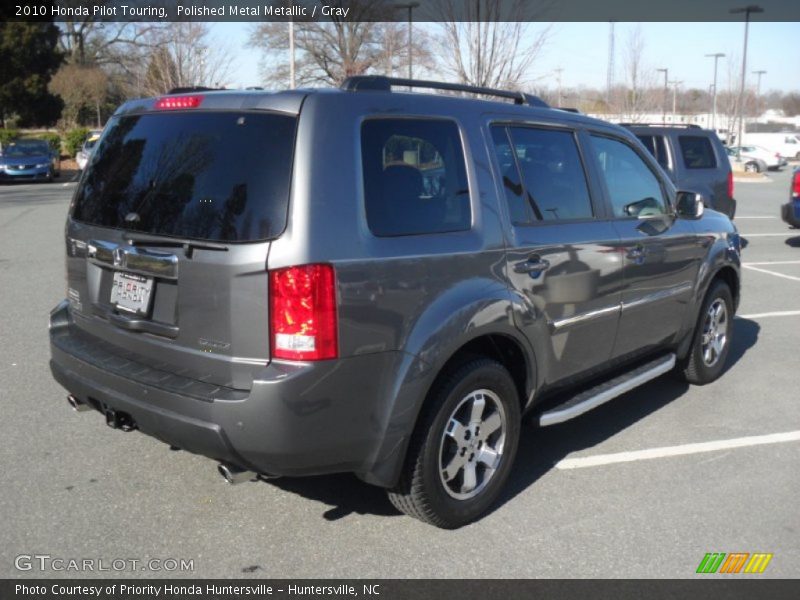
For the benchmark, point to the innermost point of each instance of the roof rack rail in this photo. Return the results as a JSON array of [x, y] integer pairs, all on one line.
[[385, 84], [194, 88], [676, 125]]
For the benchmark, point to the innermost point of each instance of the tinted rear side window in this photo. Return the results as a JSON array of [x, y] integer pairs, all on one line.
[[519, 208], [697, 152], [552, 173], [200, 175], [415, 179]]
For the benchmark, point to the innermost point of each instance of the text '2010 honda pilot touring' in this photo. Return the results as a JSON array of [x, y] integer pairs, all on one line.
[[361, 280]]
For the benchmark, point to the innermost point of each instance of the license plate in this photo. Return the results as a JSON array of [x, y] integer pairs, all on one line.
[[131, 293]]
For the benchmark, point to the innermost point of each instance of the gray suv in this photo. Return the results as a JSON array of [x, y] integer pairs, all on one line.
[[369, 281], [694, 158]]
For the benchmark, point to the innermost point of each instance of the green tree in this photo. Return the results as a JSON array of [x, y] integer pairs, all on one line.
[[30, 58]]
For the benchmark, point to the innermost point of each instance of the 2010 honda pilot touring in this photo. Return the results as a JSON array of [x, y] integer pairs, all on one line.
[[361, 280]]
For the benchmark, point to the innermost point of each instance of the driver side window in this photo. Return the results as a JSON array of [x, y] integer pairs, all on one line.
[[634, 190]]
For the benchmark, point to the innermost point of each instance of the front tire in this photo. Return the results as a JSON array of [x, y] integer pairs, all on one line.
[[462, 450], [712, 337]]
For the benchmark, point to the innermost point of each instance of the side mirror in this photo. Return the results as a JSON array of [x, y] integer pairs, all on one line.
[[690, 205]]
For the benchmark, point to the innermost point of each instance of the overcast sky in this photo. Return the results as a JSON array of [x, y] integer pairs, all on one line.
[[581, 50]]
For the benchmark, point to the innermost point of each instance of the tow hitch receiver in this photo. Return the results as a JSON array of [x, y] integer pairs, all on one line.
[[119, 420]]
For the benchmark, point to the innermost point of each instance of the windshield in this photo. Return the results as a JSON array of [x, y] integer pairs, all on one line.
[[26, 148], [201, 175]]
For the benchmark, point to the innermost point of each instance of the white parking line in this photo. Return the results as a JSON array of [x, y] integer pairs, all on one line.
[[772, 262], [760, 270], [620, 457], [777, 313], [737, 218], [749, 235]]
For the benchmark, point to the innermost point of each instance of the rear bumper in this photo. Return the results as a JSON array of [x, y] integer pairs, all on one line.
[[298, 419], [790, 213]]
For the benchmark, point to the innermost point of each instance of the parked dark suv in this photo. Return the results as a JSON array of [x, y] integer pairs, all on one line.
[[694, 158], [360, 280]]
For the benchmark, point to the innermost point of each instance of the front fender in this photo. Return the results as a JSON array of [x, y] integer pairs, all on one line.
[[724, 252]]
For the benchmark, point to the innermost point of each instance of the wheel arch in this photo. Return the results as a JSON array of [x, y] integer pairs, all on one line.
[[726, 273], [506, 345]]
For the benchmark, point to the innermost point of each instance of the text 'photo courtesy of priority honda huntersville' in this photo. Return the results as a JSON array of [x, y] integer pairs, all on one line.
[[379, 282]]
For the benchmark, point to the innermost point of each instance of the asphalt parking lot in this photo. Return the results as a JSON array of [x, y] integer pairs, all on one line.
[[75, 489]]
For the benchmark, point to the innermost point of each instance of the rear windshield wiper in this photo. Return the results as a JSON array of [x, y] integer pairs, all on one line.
[[189, 246]]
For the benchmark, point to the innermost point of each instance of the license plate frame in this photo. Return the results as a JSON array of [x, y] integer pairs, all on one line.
[[131, 293]]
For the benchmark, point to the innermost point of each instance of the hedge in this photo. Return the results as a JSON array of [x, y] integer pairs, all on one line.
[[52, 138], [8, 135], [73, 140]]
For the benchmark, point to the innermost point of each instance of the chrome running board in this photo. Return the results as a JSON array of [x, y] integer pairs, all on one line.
[[608, 390]]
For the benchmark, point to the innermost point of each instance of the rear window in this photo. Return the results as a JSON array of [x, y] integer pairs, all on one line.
[[697, 152], [210, 176]]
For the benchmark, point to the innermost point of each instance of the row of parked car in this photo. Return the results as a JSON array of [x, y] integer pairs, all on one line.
[[757, 159]]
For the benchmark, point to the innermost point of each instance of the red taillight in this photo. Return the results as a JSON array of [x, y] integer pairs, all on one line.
[[730, 184], [302, 303], [177, 102], [796, 184]]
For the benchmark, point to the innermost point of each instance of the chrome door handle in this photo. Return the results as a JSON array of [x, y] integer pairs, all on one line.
[[533, 266]]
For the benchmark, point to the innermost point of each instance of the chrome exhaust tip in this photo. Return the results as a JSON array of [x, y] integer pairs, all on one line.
[[77, 405], [234, 475]]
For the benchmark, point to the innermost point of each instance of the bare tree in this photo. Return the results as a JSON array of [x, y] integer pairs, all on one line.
[[182, 56], [488, 43], [394, 39], [327, 52], [636, 97], [81, 88], [790, 104], [728, 97]]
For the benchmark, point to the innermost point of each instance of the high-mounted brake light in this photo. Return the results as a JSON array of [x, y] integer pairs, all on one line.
[[796, 184], [177, 102], [303, 320]]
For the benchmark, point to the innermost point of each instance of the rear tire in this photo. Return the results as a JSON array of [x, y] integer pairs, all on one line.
[[711, 340], [463, 447]]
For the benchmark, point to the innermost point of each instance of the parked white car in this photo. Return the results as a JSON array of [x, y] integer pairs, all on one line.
[[82, 157], [786, 144], [772, 160]]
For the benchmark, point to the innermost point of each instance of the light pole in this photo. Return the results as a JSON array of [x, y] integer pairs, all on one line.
[[292, 76], [751, 8], [758, 89], [558, 72], [674, 85], [716, 56], [664, 101], [410, 6]]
